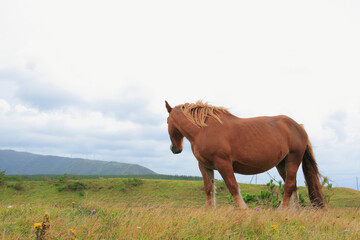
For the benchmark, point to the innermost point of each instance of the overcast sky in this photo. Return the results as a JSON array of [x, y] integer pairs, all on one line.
[[89, 78]]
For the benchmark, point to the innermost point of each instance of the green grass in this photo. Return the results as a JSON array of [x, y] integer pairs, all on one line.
[[43, 177], [166, 209]]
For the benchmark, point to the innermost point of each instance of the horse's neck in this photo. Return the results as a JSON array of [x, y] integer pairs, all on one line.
[[190, 131], [187, 128]]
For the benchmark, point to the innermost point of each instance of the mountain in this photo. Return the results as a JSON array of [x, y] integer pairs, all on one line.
[[24, 163]]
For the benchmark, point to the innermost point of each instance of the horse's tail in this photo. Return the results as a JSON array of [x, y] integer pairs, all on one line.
[[312, 177]]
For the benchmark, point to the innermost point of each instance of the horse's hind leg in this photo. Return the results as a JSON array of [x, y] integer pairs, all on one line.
[[209, 183], [291, 163], [281, 167]]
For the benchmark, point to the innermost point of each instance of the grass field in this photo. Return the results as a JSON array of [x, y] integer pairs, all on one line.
[[164, 209]]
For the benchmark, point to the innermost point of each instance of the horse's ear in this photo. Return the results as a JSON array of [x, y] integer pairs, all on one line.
[[168, 106]]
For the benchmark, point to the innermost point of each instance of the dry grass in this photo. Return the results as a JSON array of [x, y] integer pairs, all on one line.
[[116, 221], [165, 210]]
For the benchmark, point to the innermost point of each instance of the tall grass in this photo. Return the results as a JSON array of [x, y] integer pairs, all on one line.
[[116, 221], [107, 211]]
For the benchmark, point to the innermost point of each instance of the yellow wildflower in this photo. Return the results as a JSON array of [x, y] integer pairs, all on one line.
[[286, 218], [72, 231], [302, 227], [274, 227], [37, 225]]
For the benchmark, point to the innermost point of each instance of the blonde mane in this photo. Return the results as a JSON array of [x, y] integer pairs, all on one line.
[[198, 112]]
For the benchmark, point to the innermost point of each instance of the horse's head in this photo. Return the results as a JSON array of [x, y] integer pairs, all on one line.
[[175, 135]]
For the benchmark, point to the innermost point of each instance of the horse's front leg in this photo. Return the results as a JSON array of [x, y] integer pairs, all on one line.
[[209, 183], [227, 172]]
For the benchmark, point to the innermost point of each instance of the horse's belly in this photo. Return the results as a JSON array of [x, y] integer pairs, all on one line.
[[254, 167], [258, 159], [246, 169]]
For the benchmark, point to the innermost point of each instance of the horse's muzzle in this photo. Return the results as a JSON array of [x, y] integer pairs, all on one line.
[[175, 150]]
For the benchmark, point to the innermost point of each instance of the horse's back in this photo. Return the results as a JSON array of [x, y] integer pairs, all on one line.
[[253, 145], [254, 131], [280, 124]]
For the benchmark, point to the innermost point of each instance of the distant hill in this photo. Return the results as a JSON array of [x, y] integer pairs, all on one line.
[[28, 163]]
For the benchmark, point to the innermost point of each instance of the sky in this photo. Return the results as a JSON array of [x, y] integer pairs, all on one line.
[[89, 78]]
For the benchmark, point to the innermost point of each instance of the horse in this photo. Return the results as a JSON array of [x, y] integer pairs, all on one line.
[[229, 144]]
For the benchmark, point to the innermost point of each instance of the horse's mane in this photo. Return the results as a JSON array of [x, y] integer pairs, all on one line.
[[198, 112]]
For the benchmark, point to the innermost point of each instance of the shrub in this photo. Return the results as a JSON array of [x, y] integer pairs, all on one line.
[[2, 178], [248, 198], [45, 178], [132, 182], [76, 186], [64, 178], [302, 200], [129, 183], [270, 197], [19, 185], [327, 186], [72, 186]]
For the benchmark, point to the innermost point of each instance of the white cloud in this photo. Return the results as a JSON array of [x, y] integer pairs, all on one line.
[[25, 110], [4, 106], [72, 71]]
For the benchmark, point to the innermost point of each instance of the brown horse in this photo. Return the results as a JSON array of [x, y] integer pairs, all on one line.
[[221, 141]]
